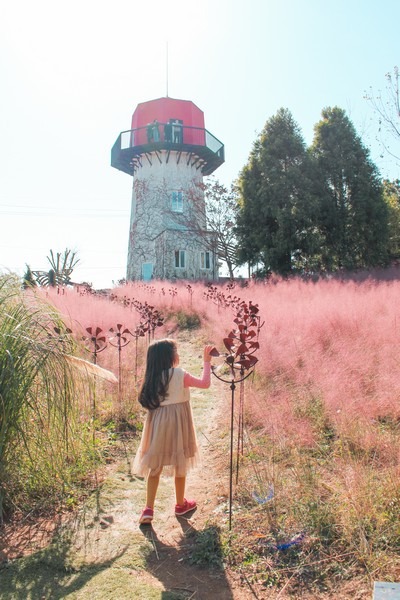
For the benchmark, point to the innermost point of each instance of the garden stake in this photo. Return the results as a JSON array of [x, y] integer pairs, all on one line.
[[140, 331], [173, 291], [97, 343], [62, 339], [241, 343], [231, 455], [190, 290], [233, 383], [240, 429], [122, 341]]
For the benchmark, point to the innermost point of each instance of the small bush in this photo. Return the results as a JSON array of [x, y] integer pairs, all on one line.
[[188, 320], [207, 550]]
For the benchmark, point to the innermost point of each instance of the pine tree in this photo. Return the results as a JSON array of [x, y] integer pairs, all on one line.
[[276, 209], [353, 214]]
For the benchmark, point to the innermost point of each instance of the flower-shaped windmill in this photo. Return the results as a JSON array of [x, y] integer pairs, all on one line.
[[190, 291], [152, 319], [95, 343], [241, 345], [139, 331], [119, 340], [216, 296]]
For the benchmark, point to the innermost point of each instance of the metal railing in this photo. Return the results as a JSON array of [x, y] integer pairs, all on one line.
[[168, 135], [131, 144]]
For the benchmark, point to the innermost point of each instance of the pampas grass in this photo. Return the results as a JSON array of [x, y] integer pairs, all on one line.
[[40, 434]]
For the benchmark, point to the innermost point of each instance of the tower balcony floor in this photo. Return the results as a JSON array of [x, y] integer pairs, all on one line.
[[195, 145]]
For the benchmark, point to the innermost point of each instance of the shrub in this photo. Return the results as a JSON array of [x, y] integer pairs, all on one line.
[[188, 320]]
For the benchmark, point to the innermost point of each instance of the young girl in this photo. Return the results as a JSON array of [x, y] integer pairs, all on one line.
[[169, 438]]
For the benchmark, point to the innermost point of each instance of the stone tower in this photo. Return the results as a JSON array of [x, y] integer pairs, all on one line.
[[168, 151]]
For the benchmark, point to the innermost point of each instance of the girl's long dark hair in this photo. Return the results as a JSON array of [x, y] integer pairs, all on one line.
[[160, 358]]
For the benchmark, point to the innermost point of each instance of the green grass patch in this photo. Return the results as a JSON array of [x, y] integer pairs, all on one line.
[[207, 549], [188, 320]]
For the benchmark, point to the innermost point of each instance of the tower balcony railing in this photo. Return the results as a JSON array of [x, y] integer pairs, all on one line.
[[201, 147]]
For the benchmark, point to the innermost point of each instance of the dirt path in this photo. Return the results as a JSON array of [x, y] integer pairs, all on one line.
[[104, 555], [173, 538]]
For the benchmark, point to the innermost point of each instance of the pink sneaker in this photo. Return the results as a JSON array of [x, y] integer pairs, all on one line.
[[146, 516], [187, 506]]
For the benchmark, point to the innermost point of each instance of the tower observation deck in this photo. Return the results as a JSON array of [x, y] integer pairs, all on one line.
[[173, 126]]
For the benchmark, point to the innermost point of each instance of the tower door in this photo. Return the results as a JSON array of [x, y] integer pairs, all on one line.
[[147, 271]]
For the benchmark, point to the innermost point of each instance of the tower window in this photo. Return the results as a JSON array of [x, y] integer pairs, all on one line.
[[177, 201], [205, 260], [180, 259]]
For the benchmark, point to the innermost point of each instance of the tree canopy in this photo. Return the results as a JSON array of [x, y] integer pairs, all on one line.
[[276, 208], [353, 215], [211, 216], [305, 209]]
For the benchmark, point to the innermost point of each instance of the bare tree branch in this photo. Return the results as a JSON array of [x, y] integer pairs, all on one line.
[[386, 105]]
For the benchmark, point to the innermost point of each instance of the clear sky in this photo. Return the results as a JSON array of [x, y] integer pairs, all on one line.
[[72, 73]]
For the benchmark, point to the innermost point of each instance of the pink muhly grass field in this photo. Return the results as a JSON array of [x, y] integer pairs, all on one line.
[[334, 341], [80, 311], [331, 343]]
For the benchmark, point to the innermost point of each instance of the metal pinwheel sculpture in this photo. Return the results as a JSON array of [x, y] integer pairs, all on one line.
[[140, 331], [241, 345], [94, 343], [119, 340]]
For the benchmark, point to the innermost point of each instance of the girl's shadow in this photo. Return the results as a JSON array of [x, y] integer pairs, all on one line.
[[171, 565]]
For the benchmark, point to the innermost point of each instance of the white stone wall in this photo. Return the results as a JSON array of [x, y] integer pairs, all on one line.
[[155, 229], [192, 245]]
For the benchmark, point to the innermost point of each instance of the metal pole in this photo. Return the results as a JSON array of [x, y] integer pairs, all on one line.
[[119, 379], [232, 386], [240, 428], [231, 459]]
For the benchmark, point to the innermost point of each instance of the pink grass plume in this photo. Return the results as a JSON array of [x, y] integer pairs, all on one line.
[[89, 368]]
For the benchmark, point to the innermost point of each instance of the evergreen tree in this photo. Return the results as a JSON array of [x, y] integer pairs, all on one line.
[[276, 217], [353, 213]]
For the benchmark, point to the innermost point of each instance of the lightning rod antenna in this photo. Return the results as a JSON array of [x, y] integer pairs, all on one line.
[[166, 66]]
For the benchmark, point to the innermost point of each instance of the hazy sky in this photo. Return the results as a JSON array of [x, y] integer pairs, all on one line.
[[72, 74]]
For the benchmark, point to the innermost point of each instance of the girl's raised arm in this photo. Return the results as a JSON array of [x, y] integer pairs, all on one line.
[[205, 380]]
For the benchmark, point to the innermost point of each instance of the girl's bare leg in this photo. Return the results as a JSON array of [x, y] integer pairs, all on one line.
[[152, 486], [180, 489]]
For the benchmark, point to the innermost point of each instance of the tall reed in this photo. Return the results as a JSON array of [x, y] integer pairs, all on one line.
[[38, 390]]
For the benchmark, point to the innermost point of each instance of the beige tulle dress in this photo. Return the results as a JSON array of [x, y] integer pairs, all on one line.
[[169, 442]]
